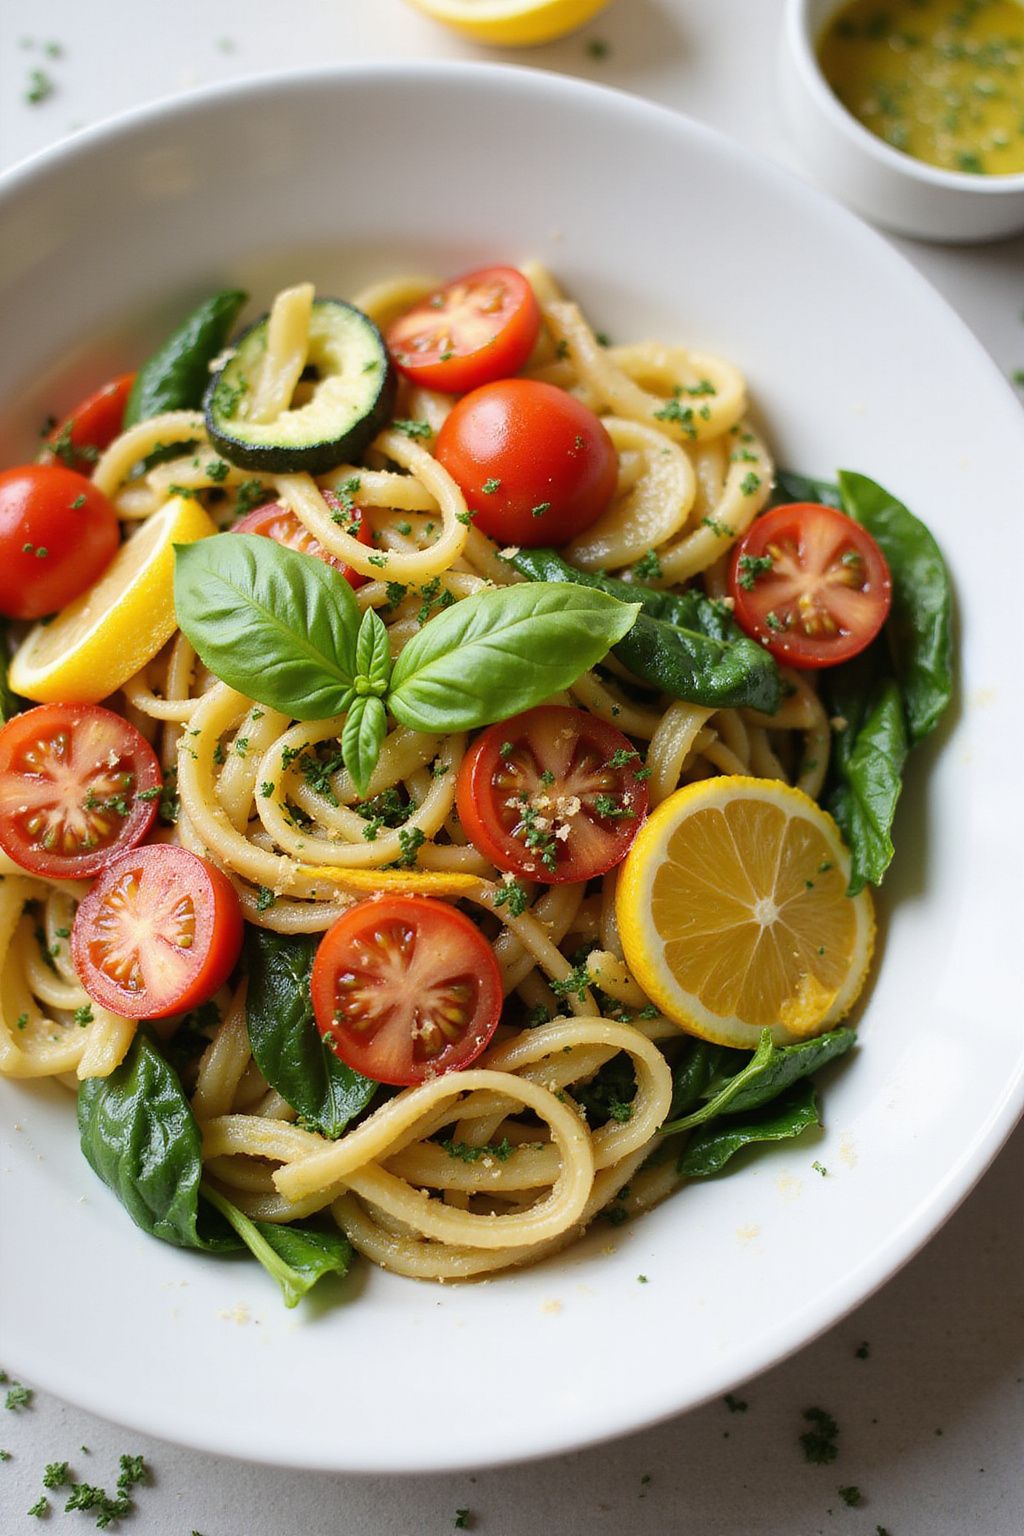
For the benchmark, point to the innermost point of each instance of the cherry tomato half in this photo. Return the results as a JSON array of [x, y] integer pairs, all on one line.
[[276, 521], [158, 933], [78, 785], [476, 328], [552, 794], [811, 584], [534, 464], [58, 534], [92, 426], [405, 988]]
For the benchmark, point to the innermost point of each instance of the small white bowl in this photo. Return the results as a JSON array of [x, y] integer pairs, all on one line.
[[887, 186]]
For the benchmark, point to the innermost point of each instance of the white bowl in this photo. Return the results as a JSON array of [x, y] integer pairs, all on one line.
[[661, 228], [887, 186]]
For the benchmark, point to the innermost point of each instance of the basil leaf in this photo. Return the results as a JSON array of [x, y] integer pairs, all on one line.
[[867, 771], [297, 1257], [175, 378], [497, 653], [139, 1134], [919, 627], [791, 486], [278, 626], [682, 643], [286, 1044], [710, 1148], [365, 728], [373, 655]]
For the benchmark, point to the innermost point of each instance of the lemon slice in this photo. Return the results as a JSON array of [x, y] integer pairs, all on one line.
[[514, 23], [97, 642], [734, 917]]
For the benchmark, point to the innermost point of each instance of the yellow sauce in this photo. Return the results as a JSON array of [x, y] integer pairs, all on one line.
[[942, 80]]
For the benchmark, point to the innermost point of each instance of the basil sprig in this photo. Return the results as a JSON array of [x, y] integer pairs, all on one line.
[[284, 629]]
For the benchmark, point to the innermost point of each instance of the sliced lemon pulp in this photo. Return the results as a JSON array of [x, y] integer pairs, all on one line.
[[514, 23], [97, 642], [733, 913]]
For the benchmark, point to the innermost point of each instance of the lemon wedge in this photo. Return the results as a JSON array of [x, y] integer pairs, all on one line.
[[734, 917], [97, 642], [512, 23]]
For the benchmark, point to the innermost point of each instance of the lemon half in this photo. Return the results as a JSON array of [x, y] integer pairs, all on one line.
[[101, 639], [734, 917], [512, 23]]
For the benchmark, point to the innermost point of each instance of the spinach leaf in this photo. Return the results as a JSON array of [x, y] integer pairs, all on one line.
[[10, 703], [791, 486], [286, 1044], [279, 626], [720, 1103], [700, 1066], [497, 653], [139, 1134], [176, 376], [683, 644], [297, 1257], [919, 627], [786, 1065], [711, 1147], [866, 773]]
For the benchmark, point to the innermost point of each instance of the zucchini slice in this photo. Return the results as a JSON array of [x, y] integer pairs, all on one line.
[[344, 398]]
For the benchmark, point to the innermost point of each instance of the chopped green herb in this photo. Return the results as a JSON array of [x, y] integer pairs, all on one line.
[[862, 1351], [84, 1014], [647, 568], [40, 1507], [736, 1404], [40, 87], [851, 1495], [466, 1152], [56, 1475], [598, 48], [512, 895], [820, 1167], [681, 415], [490, 485], [265, 898], [719, 529], [819, 1442], [18, 1396], [750, 567], [577, 982], [413, 429], [410, 840], [750, 483], [462, 1519], [540, 509]]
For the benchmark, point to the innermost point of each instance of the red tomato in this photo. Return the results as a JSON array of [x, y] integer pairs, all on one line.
[[92, 426], [477, 328], [158, 933], [534, 464], [278, 522], [553, 795], [811, 584], [78, 785], [405, 988], [58, 534]]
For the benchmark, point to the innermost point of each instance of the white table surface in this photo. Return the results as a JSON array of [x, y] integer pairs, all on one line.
[[932, 1421]]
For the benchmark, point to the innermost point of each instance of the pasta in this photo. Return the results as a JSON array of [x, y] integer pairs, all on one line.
[[497, 1165]]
